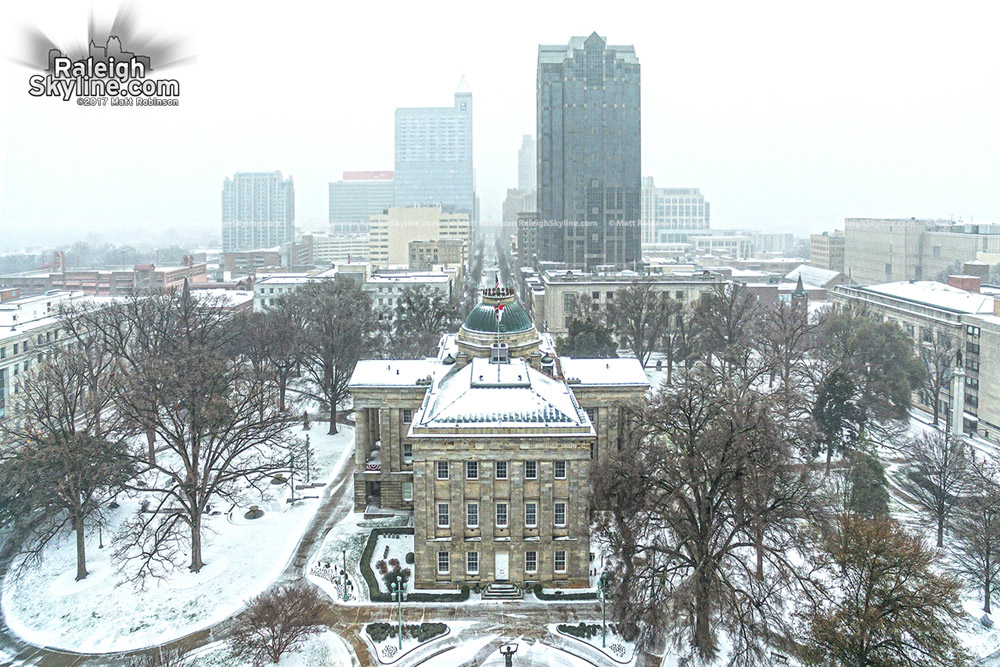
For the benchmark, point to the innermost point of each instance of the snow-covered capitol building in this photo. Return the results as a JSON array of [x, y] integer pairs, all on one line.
[[490, 445]]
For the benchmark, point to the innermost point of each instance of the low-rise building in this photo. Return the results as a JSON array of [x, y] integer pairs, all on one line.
[[826, 251], [552, 296], [941, 316]]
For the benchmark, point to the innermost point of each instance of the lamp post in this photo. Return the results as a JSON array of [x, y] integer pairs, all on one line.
[[508, 651], [397, 590], [345, 574], [602, 586], [100, 537], [308, 480]]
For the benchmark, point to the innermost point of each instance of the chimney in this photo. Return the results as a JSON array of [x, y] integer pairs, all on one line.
[[964, 282]]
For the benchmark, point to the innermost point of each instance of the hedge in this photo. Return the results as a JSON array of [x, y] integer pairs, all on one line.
[[379, 632], [369, 576], [542, 595]]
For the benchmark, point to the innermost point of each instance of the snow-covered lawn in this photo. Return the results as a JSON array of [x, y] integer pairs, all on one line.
[[618, 649], [388, 650], [387, 548], [349, 537], [324, 648], [105, 612]]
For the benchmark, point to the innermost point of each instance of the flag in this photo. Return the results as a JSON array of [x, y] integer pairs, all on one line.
[[498, 309], [498, 281]]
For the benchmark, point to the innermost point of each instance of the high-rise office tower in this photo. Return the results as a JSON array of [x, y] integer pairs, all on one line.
[[360, 195], [526, 167], [258, 210], [589, 184], [434, 156]]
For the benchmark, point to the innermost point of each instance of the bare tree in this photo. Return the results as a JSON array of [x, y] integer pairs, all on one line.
[[340, 329], [276, 621], [788, 338], [217, 418], [727, 330], [57, 467], [935, 475], [270, 341], [704, 512], [938, 355], [420, 318], [975, 552], [638, 314]]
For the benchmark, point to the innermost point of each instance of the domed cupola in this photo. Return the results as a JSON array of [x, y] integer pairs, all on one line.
[[497, 319]]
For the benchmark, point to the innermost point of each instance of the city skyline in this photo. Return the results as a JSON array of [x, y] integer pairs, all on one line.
[[793, 134]]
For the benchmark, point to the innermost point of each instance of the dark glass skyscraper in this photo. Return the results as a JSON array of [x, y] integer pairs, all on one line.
[[589, 180]]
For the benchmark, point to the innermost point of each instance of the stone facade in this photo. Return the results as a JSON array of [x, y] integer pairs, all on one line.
[[512, 435]]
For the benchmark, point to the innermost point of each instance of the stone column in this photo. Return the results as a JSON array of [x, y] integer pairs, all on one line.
[[360, 438]]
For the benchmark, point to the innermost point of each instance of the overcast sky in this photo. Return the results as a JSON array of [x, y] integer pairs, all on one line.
[[789, 116]]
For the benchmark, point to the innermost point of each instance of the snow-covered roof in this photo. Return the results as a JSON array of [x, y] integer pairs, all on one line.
[[939, 295], [481, 394], [392, 372], [604, 371], [812, 275]]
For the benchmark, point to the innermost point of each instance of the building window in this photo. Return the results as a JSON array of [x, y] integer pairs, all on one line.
[[501, 470], [442, 470], [472, 562], [560, 470], [408, 492], [407, 416], [560, 514], [591, 415], [531, 561], [443, 564], [407, 452], [443, 515], [530, 470], [530, 515], [501, 515], [472, 515], [471, 470], [560, 561]]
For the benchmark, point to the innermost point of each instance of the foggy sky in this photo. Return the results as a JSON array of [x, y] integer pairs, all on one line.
[[789, 116]]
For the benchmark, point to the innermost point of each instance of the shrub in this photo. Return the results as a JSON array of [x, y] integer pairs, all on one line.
[[464, 590], [393, 562], [382, 568], [276, 621], [389, 576], [379, 632], [409, 558]]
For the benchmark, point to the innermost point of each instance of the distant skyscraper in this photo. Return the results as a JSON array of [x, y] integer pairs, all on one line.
[[589, 180], [360, 195], [669, 213], [258, 210], [526, 167], [434, 156]]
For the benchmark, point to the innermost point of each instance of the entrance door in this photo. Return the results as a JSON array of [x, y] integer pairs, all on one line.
[[501, 573]]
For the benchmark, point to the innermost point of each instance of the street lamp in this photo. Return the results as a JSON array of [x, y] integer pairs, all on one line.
[[602, 586], [308, 479], [397, 591], [346, 580], [508, 651]]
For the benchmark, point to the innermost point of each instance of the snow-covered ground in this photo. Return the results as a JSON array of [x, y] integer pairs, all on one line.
[[105, 612], [324, 648], [388, 651], [349, 537], [618, 649], [398, 547]]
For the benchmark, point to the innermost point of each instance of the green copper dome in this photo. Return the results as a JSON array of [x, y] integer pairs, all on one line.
[[483, 319]]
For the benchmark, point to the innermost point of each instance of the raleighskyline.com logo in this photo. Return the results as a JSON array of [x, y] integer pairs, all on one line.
[[107, 76]]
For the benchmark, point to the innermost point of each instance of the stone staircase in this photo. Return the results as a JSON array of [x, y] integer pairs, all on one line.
[[502, 590]]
